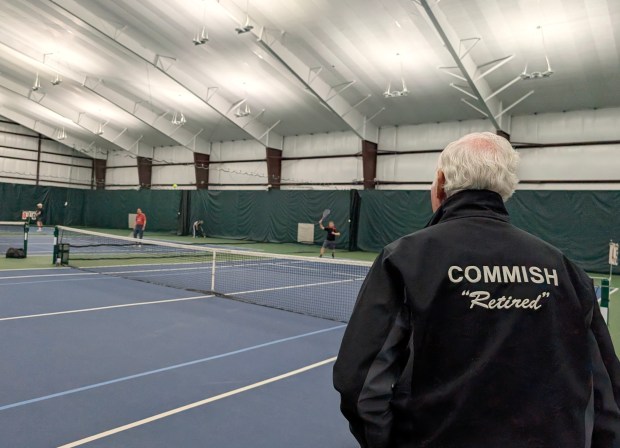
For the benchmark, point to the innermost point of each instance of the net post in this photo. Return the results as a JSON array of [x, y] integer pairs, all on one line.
[[605, 298], [26, 231], [213, 272], [55, 252]]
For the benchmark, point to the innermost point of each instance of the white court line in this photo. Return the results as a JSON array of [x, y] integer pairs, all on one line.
[[47, 275], [99, 308], [196, 404]]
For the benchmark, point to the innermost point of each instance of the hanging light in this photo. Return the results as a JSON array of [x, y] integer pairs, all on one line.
[[37, 84], [538, 75], [99, 129], [178, 118], [389, 93], [57, 80], [201, 37], [246, 27], [61, 134], [243, 112]]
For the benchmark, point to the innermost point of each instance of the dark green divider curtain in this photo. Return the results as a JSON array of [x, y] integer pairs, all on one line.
[[270, 216], [63, 206], [110, 208], [580, 223], [386, 215]]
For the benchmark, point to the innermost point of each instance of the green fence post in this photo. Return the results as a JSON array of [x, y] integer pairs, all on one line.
[[55, 254], [26, 231], [605, 298]]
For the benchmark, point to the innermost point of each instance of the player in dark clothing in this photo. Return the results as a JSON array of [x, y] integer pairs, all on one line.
[[472, 333], [330, 239], [40, 216], [197, 229]]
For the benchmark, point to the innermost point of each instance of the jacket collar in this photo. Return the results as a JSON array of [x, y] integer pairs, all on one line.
[[471, 203]]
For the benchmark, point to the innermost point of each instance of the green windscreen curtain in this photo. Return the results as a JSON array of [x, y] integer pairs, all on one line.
[[386, 215], [270, 216], [62, 205], [579, 223], [110, 208]]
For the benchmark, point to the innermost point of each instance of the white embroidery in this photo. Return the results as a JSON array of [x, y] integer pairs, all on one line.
[[483, 300]]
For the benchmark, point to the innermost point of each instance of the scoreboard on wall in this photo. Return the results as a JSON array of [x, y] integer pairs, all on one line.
[[31, 215]]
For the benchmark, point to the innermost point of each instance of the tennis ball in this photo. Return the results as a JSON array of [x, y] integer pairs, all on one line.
[[174, 185]]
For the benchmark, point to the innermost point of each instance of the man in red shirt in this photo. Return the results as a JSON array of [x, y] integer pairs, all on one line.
[[140, 225]]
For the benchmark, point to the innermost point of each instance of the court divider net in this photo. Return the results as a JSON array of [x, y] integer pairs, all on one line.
[[320, 287]]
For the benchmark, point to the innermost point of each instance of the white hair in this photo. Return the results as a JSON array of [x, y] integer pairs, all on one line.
[[480, 161]]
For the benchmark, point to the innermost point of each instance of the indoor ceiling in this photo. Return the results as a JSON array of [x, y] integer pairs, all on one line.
[[130, 72]]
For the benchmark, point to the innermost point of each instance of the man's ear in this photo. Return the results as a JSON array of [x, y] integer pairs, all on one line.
[[438, 193]]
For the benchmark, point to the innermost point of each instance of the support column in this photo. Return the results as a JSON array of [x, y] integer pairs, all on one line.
[[369, 164], [201, 166], [38, 161], [99, 172], [501, 133], [145, 171], [274, 167]]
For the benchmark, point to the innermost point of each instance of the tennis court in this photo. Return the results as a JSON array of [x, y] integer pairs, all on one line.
[[101, 360]]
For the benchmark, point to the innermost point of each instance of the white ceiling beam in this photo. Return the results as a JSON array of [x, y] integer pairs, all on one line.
[[79, 118], [491, 107], [335, 103], [182, 137], [84, 18], [50, 132], [328, 96]]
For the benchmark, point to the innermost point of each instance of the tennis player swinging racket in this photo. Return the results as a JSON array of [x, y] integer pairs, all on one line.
[[332, 233]]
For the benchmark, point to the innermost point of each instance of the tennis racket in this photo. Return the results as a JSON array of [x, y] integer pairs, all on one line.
[[326, 213]]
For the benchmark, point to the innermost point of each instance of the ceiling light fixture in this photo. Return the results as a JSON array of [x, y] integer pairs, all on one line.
[[37, 84], [243, 112], [202, 37], [389, 93], [57, 80], [99, 130], [178, 118], [247, 27], [61, 134], [539, 75]]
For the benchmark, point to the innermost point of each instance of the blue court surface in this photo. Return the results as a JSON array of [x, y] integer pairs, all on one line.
[[100, 361]]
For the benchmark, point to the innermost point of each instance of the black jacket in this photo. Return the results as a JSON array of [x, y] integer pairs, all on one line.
[[472, 333]]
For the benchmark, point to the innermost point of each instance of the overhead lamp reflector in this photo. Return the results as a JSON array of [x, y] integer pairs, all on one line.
[[201, 37], [37, 84], [179, 119]]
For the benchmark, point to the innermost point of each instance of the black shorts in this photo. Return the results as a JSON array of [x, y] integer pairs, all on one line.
[[329, 244]]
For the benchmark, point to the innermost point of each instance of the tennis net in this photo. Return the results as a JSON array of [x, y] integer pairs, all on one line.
[[323, 288], [13, 234]]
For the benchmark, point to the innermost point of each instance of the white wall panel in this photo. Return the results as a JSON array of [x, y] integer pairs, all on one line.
[[10, 152], [345, 169], [123, 176], [19, 169], [333, 143], [238, 173], [574, 126], [428, 136], [173, 154], [407, 167], [237, 150], [18, 141], [121, 158], [163, 177], [570, 163]]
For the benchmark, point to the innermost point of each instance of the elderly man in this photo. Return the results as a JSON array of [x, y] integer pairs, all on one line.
[[472, 333]]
